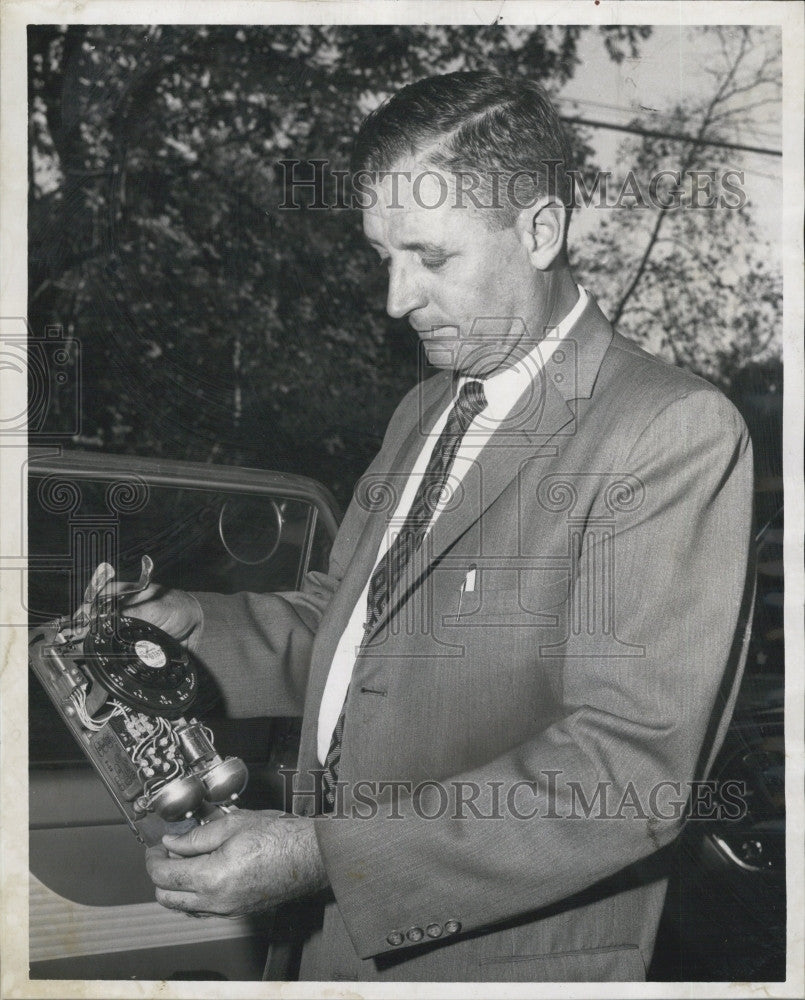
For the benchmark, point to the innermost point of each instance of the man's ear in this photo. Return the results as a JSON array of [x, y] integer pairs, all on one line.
[[542, 231]]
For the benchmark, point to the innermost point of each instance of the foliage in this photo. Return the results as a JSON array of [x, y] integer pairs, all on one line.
[[695, 284], [212, 325]]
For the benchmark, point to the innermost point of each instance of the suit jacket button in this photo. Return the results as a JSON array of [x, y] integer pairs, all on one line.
[[415, 934], [434, 930], [395, 938], [452, 926]]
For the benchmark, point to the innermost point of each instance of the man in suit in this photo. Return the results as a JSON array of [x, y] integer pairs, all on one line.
[[528, 642]]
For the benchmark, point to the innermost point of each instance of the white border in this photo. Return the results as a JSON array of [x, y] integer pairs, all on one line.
[[16, 14]]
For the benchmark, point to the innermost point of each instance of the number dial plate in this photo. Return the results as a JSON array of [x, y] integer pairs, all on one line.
[[141, 665]]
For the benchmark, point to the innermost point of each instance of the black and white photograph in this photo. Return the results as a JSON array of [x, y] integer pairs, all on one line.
[[402, 542]]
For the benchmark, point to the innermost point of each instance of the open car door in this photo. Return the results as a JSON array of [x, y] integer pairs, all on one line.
[[217, 528]]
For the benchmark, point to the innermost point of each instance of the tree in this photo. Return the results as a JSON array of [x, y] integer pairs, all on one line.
[[213, 325], [684, 271]]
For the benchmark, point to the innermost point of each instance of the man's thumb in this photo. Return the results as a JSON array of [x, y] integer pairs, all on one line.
[[200, 840]]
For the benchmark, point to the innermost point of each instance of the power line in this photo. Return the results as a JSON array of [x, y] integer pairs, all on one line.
[[656, 134], [631, 111]]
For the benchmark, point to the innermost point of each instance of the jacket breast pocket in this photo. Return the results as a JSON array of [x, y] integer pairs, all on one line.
[[510, 596]]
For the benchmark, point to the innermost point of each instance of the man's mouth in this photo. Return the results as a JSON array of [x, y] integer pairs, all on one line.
[[446, 332]]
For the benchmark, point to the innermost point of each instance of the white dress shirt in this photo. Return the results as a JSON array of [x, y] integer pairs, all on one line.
[[502, 391]]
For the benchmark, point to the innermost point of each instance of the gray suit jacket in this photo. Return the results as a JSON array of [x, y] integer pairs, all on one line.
[[540, 725]]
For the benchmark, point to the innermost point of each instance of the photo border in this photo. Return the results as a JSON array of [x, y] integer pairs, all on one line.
[[16, 15]]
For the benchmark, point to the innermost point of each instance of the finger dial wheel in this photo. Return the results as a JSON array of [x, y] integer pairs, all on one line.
[[143, 666]]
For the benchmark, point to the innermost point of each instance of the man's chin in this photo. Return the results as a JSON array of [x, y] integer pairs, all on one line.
[[454, 355], [442, 354]]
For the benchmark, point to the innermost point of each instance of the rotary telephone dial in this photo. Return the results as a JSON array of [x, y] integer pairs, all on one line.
[[124, 688]]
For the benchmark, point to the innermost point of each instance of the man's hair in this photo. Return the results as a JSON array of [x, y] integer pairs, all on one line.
[[502, 130]]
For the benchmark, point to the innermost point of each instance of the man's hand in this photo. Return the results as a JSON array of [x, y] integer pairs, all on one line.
[[244, 862], [174, 611]]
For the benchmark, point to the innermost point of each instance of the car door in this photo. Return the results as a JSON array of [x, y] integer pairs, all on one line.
[[725, 913], [224, 529]]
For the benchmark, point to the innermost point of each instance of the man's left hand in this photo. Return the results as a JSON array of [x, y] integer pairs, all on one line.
[[244, 862]]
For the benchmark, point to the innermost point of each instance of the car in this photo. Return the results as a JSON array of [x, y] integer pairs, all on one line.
[[92, 909], [226, 529], [725, 913]]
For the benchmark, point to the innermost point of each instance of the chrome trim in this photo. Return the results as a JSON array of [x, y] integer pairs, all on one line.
[[192, 475]]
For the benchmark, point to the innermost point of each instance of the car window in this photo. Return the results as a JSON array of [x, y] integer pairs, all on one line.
[[198, 539], [221, 540]]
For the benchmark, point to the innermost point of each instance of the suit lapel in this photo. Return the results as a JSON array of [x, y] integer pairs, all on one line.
[[497, 466], [569, 373], [577, 362], [390, 483], [386, 482]]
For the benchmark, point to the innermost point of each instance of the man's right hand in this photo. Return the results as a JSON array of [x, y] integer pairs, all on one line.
[[174, 611]]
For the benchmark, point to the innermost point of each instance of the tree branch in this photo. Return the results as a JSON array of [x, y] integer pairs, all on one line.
[[725, 91]]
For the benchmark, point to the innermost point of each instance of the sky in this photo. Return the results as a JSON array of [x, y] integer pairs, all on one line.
[[672, 68]]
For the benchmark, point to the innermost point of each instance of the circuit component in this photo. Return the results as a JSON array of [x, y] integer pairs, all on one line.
[[122, 686]]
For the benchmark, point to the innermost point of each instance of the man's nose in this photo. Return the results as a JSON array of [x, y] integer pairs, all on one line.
[[405, 293]]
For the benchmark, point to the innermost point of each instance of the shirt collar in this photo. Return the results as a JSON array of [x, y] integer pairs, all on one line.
[[505, 387]]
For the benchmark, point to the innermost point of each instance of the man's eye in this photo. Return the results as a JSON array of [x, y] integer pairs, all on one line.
[[433, 263]]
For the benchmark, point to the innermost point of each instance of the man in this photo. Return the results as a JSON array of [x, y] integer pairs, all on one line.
[[530, 636]]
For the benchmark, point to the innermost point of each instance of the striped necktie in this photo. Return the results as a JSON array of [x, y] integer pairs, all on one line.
[[392, 566]]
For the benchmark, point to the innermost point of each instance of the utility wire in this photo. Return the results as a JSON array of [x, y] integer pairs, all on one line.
[[631, 111], [656, 134]]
